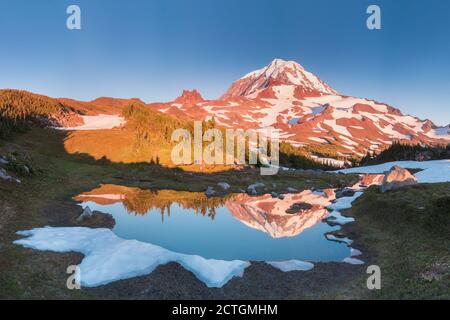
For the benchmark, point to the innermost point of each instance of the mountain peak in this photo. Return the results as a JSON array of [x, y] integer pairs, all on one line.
[[279, 72], [189, 97]]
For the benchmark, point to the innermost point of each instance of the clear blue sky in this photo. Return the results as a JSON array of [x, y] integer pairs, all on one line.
[[155, 49]]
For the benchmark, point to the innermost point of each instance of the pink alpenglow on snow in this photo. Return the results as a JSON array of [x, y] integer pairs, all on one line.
[[433, 171], [99, 122], [306, 111]]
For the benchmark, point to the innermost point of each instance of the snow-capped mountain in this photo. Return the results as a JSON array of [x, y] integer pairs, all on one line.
[[277, 73], [305, 110]]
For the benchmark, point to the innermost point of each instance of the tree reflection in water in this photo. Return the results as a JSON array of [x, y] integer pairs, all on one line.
[[141, 201]]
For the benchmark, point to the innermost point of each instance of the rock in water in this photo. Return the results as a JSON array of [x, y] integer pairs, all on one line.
[[87, 213], [396, 178]]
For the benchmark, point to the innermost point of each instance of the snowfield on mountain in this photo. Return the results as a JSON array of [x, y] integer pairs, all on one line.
[[98, 122]]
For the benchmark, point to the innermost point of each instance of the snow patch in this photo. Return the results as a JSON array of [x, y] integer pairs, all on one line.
[[353, 261], [102, 121], [332, 237], [344, 202], [433, 171], [291, 265], [355, 252], [109, 258]]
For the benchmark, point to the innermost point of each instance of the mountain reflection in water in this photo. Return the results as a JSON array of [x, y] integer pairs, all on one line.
[[263, 213], [237, 226]]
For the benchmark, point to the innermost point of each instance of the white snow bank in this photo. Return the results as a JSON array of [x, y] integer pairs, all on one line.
[[291, 265], [433, 171], [332, 237], [102, 121], [355, 252], [337, 218], [342, 204], [353, 261], [109, 258]]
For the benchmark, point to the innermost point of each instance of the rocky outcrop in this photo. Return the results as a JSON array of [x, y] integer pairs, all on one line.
[[87, 213], [368, 180], [96, 219], [396, 178], [189, 97]]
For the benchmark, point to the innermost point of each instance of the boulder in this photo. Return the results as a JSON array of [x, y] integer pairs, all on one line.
[[210, 192], [256, 185], [291, 190], [96, 219], [225, 186], [274, 195], [252, 189], [396, 178], [87, 213]]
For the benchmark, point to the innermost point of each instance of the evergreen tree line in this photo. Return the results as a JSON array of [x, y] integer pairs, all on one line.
[[401, 151], [21, 109]]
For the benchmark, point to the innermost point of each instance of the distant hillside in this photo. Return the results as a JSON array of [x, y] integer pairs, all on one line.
[[146, 136], [20, 109], [103, 105]]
